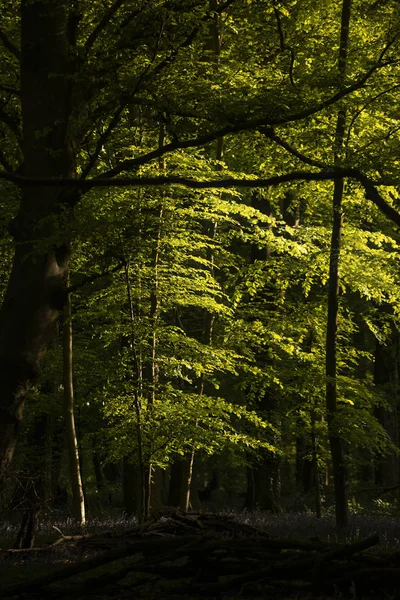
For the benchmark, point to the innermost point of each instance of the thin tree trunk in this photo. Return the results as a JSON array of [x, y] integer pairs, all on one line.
[[213, 44], [36, 289], [335, 442], [154, 318], [318, 505], [78, 499], [141, 499], [263, 476]]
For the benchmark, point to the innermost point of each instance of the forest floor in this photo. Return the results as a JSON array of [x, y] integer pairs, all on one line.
[[192, 556]]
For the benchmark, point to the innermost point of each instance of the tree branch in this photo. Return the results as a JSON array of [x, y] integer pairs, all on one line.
[[270, 133], [280, 29], [7, 43], [92, 278], [192, 35], [9, 90], [326, 175], [133, 15], [102, 140], [309, 112], [104, 21], [118, 113], [371, 193], [88, 184], [370, 101], [254, 124]]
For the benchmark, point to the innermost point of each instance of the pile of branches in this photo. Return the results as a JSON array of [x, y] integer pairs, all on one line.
[[179, 555]]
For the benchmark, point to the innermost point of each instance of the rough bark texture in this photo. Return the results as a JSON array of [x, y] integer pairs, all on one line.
[[36, 290]]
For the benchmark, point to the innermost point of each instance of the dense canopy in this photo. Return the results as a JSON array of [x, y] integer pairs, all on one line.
[[200, 198]]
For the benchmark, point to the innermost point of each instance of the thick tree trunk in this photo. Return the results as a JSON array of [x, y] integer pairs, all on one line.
[[36, 290]]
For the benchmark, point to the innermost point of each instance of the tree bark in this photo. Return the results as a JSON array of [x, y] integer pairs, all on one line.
[[335, 442], [36, 294]]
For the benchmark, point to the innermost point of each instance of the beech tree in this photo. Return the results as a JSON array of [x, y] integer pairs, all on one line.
[[87, 87]]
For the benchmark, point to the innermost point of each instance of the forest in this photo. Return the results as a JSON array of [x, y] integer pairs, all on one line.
[[200, 246]]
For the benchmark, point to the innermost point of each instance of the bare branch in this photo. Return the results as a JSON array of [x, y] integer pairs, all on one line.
[[7, 43]]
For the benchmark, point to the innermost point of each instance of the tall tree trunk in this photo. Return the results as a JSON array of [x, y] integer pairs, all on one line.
[[179, 486], [210, 229], [153, 475], [143, 477], [304, 464], [35, 294], [385, 377], [131, 486], [263, 476], [335, 442], [317, 483], [78, 499]]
